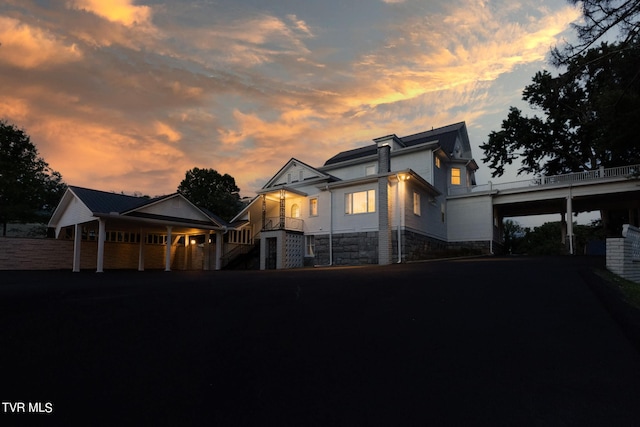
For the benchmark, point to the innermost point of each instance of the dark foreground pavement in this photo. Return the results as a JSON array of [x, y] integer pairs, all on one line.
[[487, 341]]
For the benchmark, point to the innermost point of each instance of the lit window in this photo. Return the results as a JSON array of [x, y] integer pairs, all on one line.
[[416, 203], [313, 207], [295, 211], [360, 202], [438, 162], [310, 245], [455, 176]]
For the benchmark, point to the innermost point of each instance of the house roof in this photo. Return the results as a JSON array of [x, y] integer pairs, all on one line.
[[445, 136], [104, 202]]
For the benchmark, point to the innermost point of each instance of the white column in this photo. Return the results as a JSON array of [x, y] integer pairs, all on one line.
[[187, 248], [167, 258], [102, 236], [219, 244], [143, 240], [77, 242], [207, 251], [570, 221]]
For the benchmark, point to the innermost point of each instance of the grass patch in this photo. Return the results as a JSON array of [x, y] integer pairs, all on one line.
[[630, 290]]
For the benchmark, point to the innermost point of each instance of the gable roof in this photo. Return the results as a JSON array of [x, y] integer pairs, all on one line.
[[292, 164], [96, 203], [104, 202], [445, 137]]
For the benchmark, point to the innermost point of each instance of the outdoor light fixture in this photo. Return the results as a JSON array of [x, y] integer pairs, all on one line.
[[193, 241]]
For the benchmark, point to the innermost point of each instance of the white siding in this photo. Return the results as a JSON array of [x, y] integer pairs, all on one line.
[[470, 219], [75, 212], [176, 207]]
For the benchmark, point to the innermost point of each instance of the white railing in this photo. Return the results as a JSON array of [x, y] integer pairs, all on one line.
[[540, 181]]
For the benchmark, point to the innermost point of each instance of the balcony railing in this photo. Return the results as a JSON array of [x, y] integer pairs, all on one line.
[[601, 174], [276, 223]]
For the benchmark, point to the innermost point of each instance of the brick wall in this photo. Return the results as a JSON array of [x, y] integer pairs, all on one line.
[[623, 254], [35, 254], [52, 254], [620, 259]]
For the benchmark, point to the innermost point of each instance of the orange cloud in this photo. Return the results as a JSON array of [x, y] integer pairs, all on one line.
[[120, 11], [25, 46]]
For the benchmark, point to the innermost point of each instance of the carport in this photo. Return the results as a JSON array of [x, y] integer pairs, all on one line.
[[90, 215]]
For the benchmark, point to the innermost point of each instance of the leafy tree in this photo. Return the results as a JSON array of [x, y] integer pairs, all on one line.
[[602, 19], [512, 236], [211, 190], [590, 117], [544, 240], [29, 188]]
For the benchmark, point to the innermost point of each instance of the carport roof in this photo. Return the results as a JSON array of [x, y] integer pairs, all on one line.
[[128, 209]]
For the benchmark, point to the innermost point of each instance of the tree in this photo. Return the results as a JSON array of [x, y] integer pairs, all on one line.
[[512, 235], [602, 18], [29, 188], [211, 190], [589, 117]]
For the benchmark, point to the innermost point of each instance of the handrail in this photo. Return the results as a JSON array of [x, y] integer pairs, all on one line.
[[294, 224], [629, 171]]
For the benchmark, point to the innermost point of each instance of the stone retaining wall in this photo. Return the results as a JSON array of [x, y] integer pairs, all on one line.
[[623, 254]]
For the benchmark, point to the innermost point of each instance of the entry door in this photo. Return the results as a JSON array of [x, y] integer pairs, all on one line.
[[272, 253]]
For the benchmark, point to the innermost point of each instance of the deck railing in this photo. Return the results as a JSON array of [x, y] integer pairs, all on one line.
[[620, 172], [275, 223]]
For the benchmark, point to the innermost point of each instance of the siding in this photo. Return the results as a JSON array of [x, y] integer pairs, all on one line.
[[469, 219]]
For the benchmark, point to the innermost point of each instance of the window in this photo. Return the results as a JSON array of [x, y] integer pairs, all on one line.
[[310, 245], [370, 170], [416, 203], [313, 207], [295, 211], [442, 216], [455, 176], [438, 162], [360, 202]]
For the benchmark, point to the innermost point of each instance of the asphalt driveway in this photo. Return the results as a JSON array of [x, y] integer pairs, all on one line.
[[485, 341]]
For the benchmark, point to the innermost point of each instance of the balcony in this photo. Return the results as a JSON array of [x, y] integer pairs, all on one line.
[[286, 223]]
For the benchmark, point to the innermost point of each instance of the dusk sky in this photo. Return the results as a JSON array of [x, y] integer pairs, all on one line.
[[127, 95]]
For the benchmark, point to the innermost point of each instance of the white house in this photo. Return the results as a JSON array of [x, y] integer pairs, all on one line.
[[382, 203]]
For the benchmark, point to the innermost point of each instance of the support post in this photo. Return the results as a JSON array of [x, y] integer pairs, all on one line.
[[167, 255], [141, 249], [77, 242], [219, 244], [102, 236], [570, 221], [207, 251]]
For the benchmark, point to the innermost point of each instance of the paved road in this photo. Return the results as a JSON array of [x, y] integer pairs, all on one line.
[[486, 341]]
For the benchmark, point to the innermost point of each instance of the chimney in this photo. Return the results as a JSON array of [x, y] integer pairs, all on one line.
[[386, 144]]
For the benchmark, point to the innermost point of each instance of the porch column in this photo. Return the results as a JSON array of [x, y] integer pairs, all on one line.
[[219, 244], [77, 242], [187, 249], [570, 221], [102, 236], [143, 240], [207, 251], [167, 256]]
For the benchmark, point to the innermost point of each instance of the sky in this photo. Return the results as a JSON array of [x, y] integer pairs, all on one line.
[[127, 95]]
